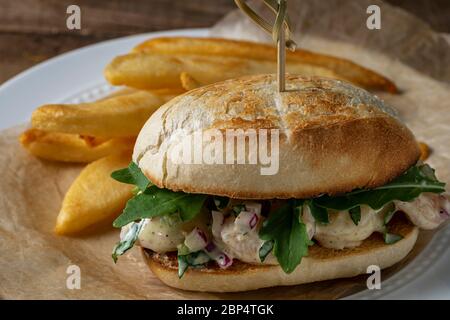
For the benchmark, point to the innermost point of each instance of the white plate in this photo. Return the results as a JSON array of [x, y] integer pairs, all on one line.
[[77, 77]]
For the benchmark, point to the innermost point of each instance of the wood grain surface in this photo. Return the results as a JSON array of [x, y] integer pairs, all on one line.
[[34, 30]]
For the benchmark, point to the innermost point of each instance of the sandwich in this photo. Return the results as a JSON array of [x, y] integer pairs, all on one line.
[[241, 187]]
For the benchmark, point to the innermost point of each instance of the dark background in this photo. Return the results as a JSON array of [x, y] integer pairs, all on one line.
[[34, 30]]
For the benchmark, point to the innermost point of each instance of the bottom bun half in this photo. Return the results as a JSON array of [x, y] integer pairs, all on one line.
[[320, 264]]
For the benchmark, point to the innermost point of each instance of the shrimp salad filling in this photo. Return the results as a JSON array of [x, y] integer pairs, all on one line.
[[204, 228]]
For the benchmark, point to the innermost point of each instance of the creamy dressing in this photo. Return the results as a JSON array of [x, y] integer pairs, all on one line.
[[239, 245], [427, 211], [159, 236], [245, 246], [237, 240], [342, 232], [308, 220], [164, 234]]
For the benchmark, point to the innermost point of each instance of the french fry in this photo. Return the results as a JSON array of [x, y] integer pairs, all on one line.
[[425, 151], [153, 70], [187, 82], [68, 147], [94, 197], [171, 92], [89, 140], [118, 116], [344, 69]]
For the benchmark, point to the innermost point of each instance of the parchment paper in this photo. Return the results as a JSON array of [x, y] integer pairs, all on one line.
[[33, 261]]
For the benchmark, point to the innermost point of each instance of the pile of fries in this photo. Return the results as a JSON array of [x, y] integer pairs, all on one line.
[[102, 133]]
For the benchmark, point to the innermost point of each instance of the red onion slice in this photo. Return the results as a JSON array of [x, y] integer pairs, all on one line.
[[210, 247], [222, 259], [253, 207], [246, 221], [253, 221], [445, 206]]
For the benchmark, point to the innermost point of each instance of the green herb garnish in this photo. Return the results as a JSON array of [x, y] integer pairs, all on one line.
[[390, 238], [194, 259], [132, 175], [265, 250], [285, 229], [388, 212], [410, 185], [158, 202], [128, 241], [355, 214], [320, 214]]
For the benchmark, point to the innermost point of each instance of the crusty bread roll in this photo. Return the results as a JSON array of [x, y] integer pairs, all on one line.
[[321, 264], [334, 137]]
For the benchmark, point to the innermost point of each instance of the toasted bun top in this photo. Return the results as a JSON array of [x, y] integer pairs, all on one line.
[[333, 138]]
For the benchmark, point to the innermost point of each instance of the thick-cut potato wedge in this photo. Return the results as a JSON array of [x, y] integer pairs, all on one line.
[[118, 116], [171, 92], [89, 140], [94, 197], [68, 147], [425, 151], [343, 68], [154, 70], [187, 82]]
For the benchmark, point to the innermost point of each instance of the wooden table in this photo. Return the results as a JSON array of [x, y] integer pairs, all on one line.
[[34, 30]]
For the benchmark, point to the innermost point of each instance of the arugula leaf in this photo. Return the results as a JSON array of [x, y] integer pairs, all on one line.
[[265, 250], [289, 235], [388, 212], [171, 220], [408, 186], [355, 214], [390, 238], [158, 202], [320, 214], [128, 241], [132, 175]]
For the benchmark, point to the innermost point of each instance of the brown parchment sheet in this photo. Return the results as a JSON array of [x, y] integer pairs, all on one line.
[[33, 261]]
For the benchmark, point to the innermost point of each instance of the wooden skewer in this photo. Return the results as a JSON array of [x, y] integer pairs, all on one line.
[[281, 62], [278, 31]]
